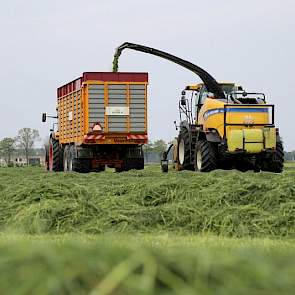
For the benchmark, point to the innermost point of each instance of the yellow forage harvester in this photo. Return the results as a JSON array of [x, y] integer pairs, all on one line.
[[221, 125], [235, 131]]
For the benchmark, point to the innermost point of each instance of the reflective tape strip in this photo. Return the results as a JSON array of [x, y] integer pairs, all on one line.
[[137, 136], [94, 137]]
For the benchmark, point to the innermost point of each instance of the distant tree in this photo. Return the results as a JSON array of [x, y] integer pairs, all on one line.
[[147, 149], [159, 147], [290, 156], [26, 139], [7, 147]]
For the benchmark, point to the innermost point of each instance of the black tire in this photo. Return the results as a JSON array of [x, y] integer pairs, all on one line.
[[184, 151], [100, 168], [164, 168], [66, 159], [276, 162], [82, 166], [136, 163], [118, 170], [73, 163], [55, 155], [133, 163], [46, 147], [205, 156], [132, 159]]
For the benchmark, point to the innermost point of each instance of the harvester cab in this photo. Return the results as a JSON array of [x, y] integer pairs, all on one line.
[[221, 125], [193, 98]]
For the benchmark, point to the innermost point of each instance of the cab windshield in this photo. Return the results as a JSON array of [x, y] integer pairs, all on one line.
[[227, 89]]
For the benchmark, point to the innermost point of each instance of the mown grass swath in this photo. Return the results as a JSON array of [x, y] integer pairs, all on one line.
[[145, 265], [222, 202], [144, 232]]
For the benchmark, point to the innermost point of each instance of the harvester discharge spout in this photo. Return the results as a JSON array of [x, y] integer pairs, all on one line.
[[211, 84]]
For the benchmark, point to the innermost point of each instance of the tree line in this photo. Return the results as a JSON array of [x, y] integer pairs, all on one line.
[[27, 137], [24, 142], [290, 156], [153, 150]]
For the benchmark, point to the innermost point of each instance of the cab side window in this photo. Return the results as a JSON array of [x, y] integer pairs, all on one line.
[[202, 96]]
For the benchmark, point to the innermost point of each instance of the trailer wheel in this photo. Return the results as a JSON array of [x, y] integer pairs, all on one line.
[[82, 165], [184, 151], [128, 164], [137, 163], [100, 168], [276, 163], [67, 163], [205, 156], [46, 147], [79, 165], [71, 163], [54, 155], [118, 170]]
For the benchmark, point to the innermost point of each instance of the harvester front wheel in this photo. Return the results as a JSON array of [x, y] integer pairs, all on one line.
[[205, 156], [54, 155], [276, 163], [184, 151]]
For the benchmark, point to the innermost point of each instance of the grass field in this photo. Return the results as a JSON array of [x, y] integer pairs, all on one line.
[[144, 232]]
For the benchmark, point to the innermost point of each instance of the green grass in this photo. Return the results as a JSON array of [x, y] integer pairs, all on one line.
[[145, 232], [227, 203], [289, 165], [145, 264]]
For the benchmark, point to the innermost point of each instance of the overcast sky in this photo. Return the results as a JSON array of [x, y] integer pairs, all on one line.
[[47, 43]]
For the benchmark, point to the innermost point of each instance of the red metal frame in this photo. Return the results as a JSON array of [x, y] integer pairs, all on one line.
[[101, 76]]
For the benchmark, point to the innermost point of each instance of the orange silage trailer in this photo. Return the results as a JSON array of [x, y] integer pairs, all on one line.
[[102, 121]]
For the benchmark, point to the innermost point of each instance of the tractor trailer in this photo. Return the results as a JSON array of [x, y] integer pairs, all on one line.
[[101, 121]]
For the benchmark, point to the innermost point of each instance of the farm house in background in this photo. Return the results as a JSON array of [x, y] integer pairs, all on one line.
[[18, 158]]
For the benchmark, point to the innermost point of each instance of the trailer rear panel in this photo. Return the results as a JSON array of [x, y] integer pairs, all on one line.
[[104, 108]]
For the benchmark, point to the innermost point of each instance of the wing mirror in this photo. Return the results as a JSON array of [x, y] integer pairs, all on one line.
[[44, 117]]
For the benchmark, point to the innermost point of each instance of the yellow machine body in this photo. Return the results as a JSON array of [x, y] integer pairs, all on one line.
[[234, 123], [251, 140]]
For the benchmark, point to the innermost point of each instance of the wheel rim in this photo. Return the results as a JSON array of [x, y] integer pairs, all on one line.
[[199, 160], [181, 152]]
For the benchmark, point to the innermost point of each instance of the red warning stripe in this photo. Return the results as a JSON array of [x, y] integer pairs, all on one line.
[[137, 136], [94, 137]]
